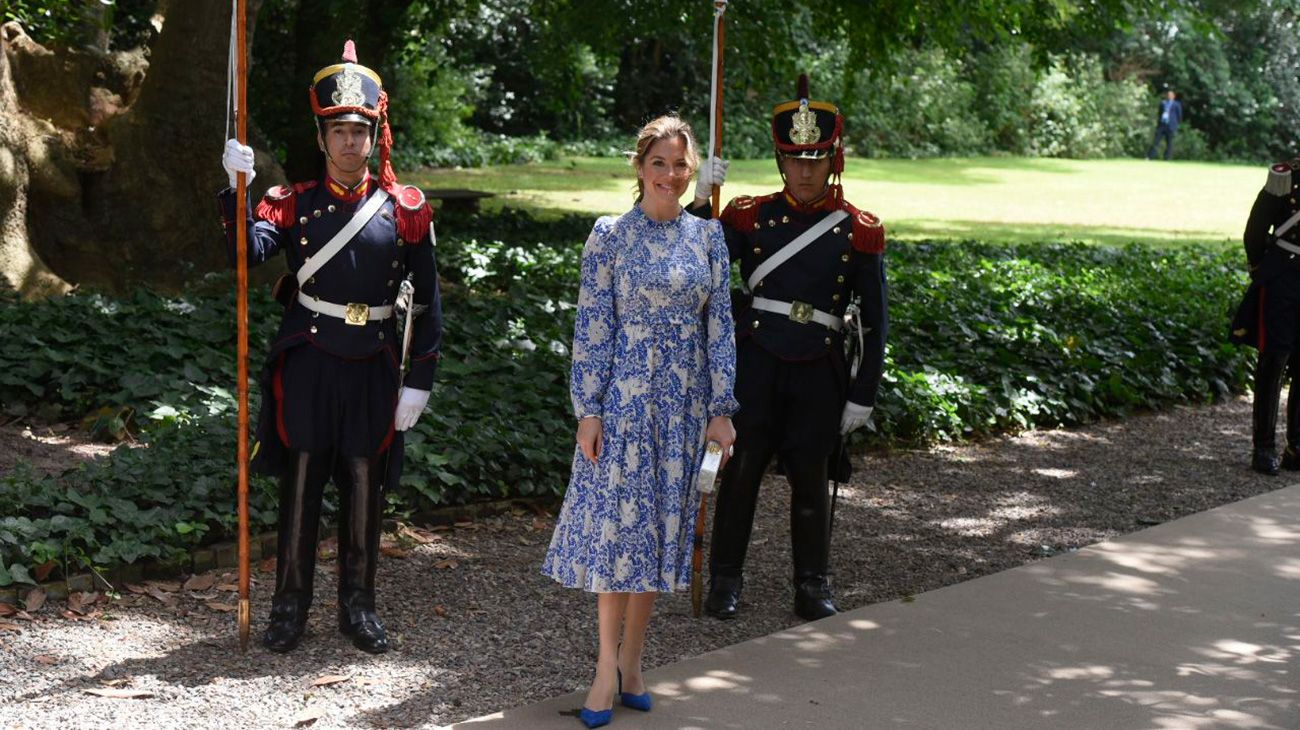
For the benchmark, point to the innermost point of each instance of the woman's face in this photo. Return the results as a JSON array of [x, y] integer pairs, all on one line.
[[664, 171]]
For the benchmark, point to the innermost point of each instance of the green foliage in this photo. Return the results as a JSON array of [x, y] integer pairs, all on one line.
[[984, 339]]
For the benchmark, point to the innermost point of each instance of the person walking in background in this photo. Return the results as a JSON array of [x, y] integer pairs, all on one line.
[[1168, 118], [654, 362]]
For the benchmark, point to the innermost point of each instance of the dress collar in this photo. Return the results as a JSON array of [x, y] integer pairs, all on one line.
[[345, 193]]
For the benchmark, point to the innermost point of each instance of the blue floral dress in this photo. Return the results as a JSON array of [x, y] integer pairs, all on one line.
[[654, 355]]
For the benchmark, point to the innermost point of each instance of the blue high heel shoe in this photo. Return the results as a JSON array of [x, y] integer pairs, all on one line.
[[595, 718], [637, 702]]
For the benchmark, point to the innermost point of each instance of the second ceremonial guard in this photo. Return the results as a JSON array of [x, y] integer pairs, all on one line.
[[1269, 316], [805, 252], [334, 402]]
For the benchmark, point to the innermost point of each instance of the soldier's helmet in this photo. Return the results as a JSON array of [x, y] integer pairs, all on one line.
[[350, 92], [808, 129]]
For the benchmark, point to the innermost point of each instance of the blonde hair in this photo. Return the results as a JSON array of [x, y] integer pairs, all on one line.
[[668, 126]]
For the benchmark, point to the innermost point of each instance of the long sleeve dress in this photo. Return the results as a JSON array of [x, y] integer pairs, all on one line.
[[654, 357]]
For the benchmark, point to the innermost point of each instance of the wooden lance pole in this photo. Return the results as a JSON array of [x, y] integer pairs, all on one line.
[[715, 148], [241, 267]]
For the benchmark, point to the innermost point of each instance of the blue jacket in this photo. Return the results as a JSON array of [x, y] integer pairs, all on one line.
[[1175, 113]]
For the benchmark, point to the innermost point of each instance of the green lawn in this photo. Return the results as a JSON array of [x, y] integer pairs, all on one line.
[[1000, 199]]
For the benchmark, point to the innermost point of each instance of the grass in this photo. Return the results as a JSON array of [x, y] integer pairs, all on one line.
[[996, 198]]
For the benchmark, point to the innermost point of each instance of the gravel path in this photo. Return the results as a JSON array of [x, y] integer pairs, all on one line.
[[477, 628]]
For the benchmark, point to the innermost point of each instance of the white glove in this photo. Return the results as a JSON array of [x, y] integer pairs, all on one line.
[[855, 417], [713, 171], [410, 404], [236, 159]]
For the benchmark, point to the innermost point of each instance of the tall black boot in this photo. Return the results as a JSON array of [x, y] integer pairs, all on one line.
[[360, 487], [733, 519], [810, 534], [301, 487], [1269, 371], [1291, 454]]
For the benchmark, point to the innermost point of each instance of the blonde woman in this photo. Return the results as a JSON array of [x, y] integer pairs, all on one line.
[[653, 370]]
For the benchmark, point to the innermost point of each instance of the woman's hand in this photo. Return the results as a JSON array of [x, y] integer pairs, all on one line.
[[721, 430], [590, 430]]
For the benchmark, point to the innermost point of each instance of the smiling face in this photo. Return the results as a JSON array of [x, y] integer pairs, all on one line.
[[665, 170], [347, 144], [806, 179]]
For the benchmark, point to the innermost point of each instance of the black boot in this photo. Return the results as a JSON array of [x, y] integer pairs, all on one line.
[[733, 518], [299, 509], [360, 488], [1269, 371], [810, 535], [1291, 454]]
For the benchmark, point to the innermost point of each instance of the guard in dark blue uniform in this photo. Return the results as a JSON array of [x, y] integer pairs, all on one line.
[[333, 404], [797, 397], [1269, 316]]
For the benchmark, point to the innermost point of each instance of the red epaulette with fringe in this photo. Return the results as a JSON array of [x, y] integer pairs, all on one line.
[[414, 215], [868, 231], [280, 203], [742, 212]]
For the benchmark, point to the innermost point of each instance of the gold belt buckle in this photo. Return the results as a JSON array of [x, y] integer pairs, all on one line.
[[357, 314], [801, 312]]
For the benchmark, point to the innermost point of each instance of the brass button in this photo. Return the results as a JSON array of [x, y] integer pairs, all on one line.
[[840, 278], [400, 241], [302, 221], [755, 324], [845, 258], [316, 213], [390, 282], [315, 315], [757, 225], [758, 249], [313, 329], [785, 219], [394, 264], [332, 208], [836, 229], [850, 235], [381, 335], [760, 283], [771, 223], [311, 280], [828, 340], [303, 240], [835, 297]]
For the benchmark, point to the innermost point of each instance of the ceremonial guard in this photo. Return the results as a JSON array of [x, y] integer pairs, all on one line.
[[804, 254], [1269, 316], [334, 401]]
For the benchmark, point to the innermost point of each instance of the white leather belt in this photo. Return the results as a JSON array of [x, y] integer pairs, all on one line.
[[352, 313], [801, 312]]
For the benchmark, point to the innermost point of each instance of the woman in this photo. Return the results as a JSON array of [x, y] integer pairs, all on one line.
[[653, 369]]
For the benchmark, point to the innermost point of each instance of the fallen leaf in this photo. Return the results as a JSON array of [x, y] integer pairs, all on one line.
[[267, 566], [7, 610], [393, 551], [228, 587], [9, 626], [308, 716], [439, 611], [448, 563], [115, 682], [43, 570], [328, 679], [77, 602], [540, 524], [35, 599], [169, 586], [120, 694], [162, 598], [136, 588], [222, 607], [46, 659], [366, 681], [200, 582], [422, 537]]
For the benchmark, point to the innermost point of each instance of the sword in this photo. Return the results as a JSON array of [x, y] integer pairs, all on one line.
[[705, 482]]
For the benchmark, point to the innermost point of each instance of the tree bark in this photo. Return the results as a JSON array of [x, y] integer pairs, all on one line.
[[109, 164]]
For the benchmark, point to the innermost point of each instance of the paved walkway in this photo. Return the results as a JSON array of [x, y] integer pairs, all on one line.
[[1191, 624]]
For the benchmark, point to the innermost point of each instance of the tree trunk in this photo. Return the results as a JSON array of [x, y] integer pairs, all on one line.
[[109, 164]]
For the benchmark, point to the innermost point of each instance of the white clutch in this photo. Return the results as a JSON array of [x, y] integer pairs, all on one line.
[[709, 466]]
